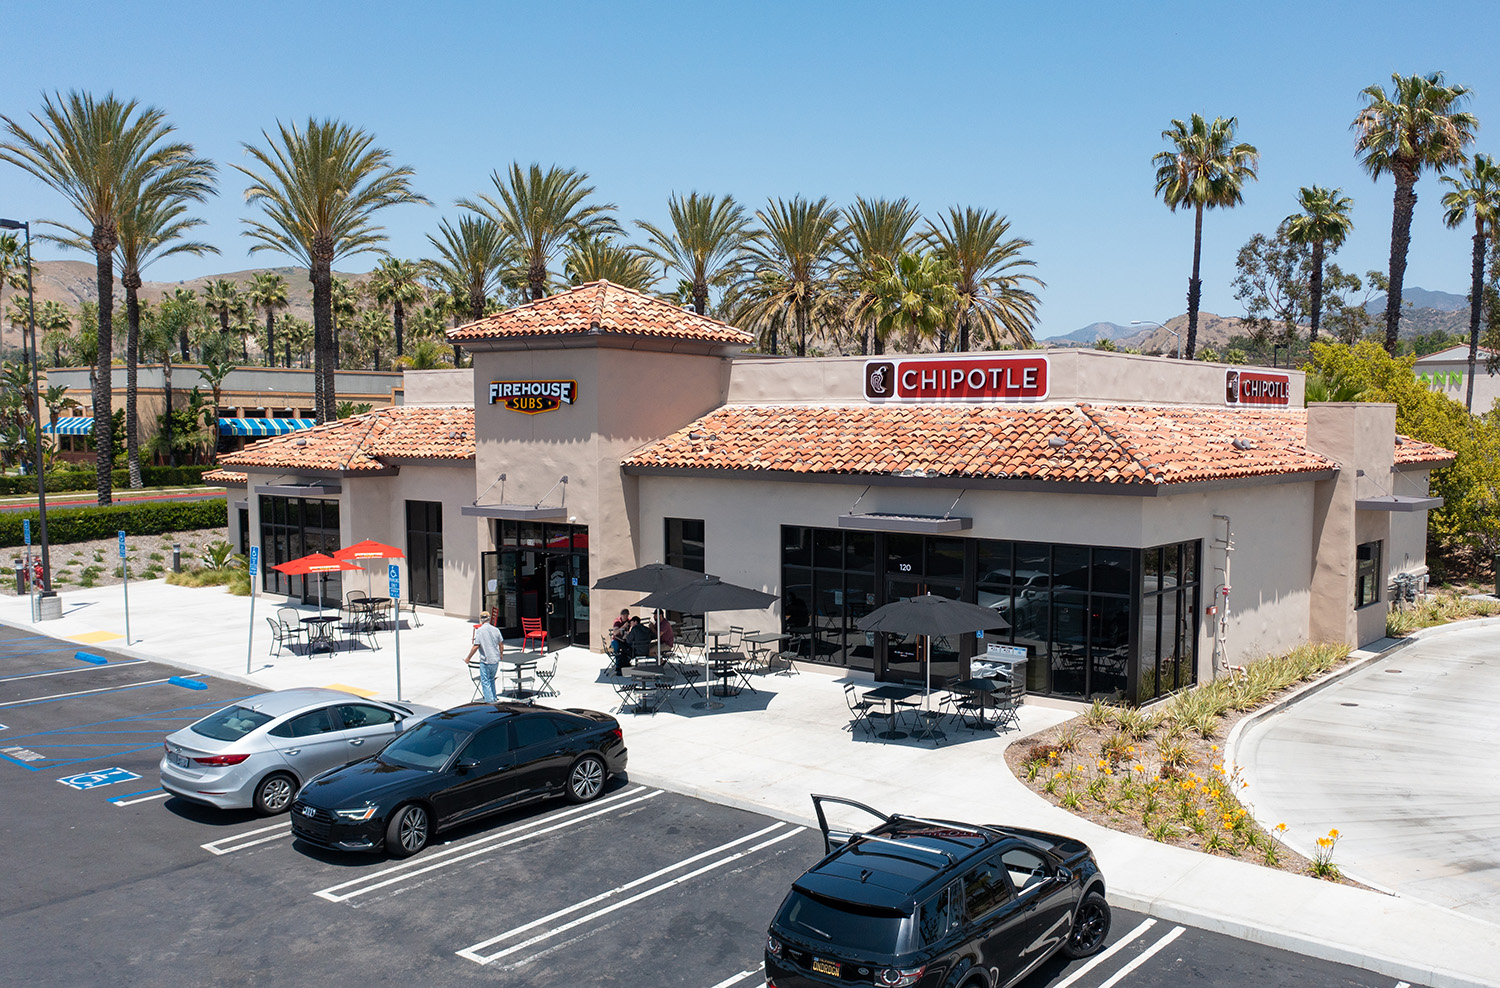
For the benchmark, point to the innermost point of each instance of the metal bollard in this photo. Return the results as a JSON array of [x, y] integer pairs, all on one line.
[[20, 579], [176, 557]]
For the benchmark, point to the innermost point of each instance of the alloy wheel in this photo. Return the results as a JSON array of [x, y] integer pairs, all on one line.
[[1090, 927], [276, 793], [413, 833], [588, 779]]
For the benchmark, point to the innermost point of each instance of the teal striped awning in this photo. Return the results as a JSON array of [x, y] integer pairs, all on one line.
[[263, 427], [71, 425]]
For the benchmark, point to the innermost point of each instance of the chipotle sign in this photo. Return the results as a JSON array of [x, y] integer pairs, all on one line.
[[1254, 389], [1014, 378]]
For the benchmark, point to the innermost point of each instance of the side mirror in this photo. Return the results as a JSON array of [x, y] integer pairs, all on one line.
[[1064, 875], [465, 764]]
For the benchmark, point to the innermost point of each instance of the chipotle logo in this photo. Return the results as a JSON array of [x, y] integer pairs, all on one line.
[[1256, 389], [1017, 378]]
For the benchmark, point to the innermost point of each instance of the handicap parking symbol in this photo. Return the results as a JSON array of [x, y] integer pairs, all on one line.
[[92, 780]]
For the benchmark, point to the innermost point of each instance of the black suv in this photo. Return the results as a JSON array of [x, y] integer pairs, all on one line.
[[928, 903]]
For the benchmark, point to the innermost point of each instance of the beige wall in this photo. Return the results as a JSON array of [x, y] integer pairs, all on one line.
[[448, 386], [626, 398], [1074, 375]]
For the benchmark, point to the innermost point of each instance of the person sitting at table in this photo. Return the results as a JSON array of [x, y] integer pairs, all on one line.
[[488, 643], [619, 645], [663, 631], [621, 621], [640, 639]]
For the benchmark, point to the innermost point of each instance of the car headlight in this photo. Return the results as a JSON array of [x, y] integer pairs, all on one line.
[[899, 977], [358, 816], [773, 946]]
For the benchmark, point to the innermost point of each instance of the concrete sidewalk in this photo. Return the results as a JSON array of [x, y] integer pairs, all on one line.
[[769, 749]]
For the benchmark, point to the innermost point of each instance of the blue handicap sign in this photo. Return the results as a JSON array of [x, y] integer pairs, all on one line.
[[122, 545], [93, 780], [26, 527], [393, 571], [254, 560], [979, 634]]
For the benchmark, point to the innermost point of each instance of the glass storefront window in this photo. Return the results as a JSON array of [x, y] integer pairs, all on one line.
[[945, 559], [685, 543], [828, 547], [796, 546], [859, 552]]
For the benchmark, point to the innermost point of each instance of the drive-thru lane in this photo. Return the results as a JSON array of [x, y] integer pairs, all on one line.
[[109, 881]]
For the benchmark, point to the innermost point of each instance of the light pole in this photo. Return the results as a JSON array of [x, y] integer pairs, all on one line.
[[1175, 332], [36, 408]]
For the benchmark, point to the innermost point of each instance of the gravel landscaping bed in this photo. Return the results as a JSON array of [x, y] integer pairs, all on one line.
[[97, 563]]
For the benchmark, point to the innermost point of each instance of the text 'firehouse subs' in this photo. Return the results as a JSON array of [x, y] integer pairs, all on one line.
[[531, 397]]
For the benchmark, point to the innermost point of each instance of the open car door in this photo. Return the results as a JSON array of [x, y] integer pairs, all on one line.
[[843, 818]]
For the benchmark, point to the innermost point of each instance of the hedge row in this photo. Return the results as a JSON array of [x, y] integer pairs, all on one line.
[[66, 525], [83, 480]]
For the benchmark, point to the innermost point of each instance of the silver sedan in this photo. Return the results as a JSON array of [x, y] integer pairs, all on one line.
[[259, 752]]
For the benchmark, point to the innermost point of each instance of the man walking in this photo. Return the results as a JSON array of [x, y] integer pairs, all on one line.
[[487, 642]]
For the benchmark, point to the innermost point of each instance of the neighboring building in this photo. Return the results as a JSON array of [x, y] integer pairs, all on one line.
[[1446, 371], [253, 401], [1089, 497]]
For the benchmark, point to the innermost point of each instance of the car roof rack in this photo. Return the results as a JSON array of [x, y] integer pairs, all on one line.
[[903, 844], [978, 828]]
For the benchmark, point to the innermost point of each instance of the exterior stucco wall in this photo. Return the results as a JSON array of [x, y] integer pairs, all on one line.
[[448, 386]]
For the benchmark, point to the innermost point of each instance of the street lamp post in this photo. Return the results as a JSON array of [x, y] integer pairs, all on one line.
[[36, 409], [1175, 332]]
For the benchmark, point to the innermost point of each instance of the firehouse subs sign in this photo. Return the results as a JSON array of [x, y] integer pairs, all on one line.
[[531, 397], [1254, 389], [1010, 378]]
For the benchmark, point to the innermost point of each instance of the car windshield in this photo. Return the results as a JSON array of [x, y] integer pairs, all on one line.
[[425, 746], [230, 724], [842, 924]]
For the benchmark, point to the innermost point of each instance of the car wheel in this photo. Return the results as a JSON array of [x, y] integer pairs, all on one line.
[[274, 794], [1090, 927], [586, 779], [408, 832]]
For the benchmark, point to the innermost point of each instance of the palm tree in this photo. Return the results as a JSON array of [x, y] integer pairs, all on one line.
[[788, 266], [1478, 194], [268, 291], [992, 295], [540, 213], [221, 297], [99, 154], [704, 243], [601, 259], [162, 337], [914, 296], [214, 372], [398, 283], [1323, 224], [1205, 169], [471, 257], [321, 188], [875, 233], [1419, 125], [13, 274], [344, 307], [423, 354]]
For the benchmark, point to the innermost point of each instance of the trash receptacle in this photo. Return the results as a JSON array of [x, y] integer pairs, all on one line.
[[1010, 662]]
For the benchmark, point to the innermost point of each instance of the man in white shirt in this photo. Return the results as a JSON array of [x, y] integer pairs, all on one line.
[[487, 642]]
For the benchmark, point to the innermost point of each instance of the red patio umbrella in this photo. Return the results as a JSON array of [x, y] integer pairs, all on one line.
[[314, 562], [368, 549]]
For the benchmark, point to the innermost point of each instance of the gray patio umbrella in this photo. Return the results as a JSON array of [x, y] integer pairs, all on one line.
[[705, 594], [650, 578], [931, 617]]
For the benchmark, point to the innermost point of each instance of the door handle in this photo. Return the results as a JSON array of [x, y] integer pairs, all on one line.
[[294, 751], [356, 741]]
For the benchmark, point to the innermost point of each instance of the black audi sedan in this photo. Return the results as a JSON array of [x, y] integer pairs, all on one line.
[[914, 903], [455, 767]]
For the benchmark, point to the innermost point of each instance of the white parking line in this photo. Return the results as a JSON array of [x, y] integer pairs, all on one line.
[[473, 952], [736, 978], [1100, 958], [1143, 957], [484, 845], [68, 672], [239, 842], [140, 799], [102, 689]]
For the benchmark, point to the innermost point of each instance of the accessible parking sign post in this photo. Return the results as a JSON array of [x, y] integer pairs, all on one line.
[[393, 571], [250, 638]]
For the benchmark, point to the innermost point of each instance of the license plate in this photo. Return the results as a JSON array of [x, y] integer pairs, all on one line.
[[820, 966], [179, 759]]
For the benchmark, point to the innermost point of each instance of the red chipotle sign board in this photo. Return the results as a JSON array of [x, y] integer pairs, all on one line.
[[1254, 389], [1015, 378], [531, 397]]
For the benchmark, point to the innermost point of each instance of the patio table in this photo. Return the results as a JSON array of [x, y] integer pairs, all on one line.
[[725, 666], [980, 689], [372, 608], [891, 693], [760, 642], [520, 664], [320, 633]]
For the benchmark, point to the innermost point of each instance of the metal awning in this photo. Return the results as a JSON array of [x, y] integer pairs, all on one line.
[[72, 425], [929, 524], [515, 512], [263, 427], [1398, 502]]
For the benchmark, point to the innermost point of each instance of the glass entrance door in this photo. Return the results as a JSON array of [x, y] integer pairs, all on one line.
[[559, 606], [905, 657]]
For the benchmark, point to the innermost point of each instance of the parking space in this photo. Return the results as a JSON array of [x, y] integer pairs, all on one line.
[[110, 880]]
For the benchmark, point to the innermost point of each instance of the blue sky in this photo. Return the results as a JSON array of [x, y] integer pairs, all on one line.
[[1048, 113]]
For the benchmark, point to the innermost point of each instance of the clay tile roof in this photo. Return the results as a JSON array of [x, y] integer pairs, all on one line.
[[601, 307], [225, 477], [364, 442], [1410, 451], [1097, 444]]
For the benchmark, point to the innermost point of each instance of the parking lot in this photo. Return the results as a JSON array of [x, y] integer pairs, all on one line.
[[109, 880]]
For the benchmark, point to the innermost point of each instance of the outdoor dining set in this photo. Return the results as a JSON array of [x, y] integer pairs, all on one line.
[[895, 711], [710, 666], [356, 621]]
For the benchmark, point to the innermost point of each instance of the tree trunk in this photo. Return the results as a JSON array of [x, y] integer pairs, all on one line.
[[801, 313], [1406, 201], [399, 313], [536, 279], [103, 242], [963, 332], [1317, 289], [270, 336], [700, 296], [132, 282], [1476, 299], [321, 277], [182, 344], [1195, 284]]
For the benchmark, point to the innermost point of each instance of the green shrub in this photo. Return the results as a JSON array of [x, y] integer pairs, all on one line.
[[65, 525], [65, 481]]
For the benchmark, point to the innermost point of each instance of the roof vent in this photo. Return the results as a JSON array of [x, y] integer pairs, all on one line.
[[301, 441], [1243, 444], [1056, 442]]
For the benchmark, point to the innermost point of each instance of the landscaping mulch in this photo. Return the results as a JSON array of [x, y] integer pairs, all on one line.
[[97, 563]]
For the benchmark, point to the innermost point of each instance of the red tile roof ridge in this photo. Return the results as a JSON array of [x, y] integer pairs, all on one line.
[[1128, 446], [631, 315]]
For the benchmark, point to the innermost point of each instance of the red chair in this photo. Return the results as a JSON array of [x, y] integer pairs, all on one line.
[[532, 628]]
